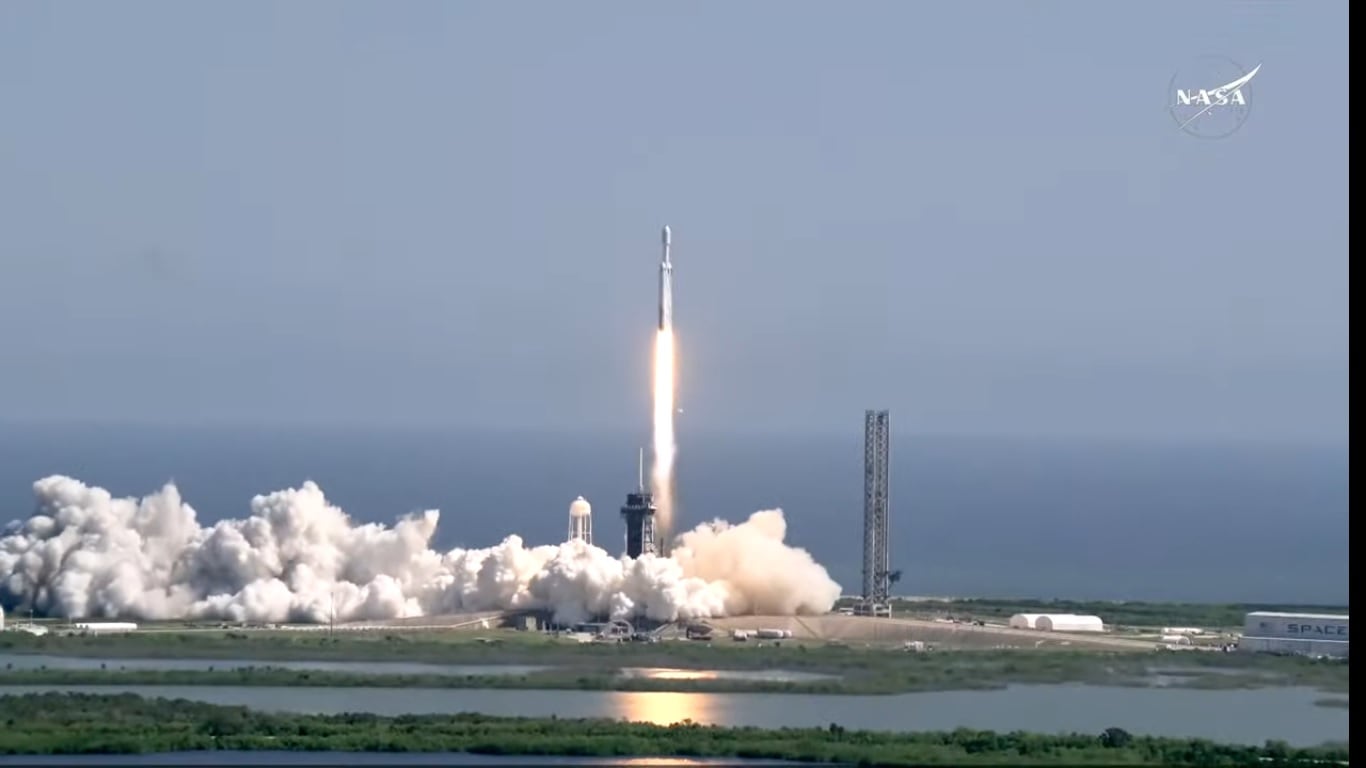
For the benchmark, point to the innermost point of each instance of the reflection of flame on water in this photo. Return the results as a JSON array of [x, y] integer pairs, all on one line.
[[661, 673], [768, 675], [657, 761], [662, 708]]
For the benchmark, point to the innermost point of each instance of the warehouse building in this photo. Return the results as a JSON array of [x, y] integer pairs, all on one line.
[[1057, 622], [1309, 634], [105, 627]]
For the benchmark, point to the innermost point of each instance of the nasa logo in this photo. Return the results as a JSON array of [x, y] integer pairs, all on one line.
[[1209, 98]]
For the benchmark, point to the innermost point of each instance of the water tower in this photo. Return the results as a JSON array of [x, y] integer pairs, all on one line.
[[581, 520]]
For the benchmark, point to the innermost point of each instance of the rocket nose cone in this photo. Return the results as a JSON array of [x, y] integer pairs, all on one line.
[[667, 235]]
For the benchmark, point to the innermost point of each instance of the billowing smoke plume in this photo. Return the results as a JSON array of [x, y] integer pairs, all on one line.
[[86, 554]]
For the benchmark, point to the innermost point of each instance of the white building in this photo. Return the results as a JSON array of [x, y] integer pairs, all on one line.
[[1311, 634], [105, 626], [1057, 622]]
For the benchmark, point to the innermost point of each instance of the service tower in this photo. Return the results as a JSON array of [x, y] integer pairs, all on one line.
[[639, 514]]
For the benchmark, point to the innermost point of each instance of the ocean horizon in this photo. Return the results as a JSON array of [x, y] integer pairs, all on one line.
[[1045, 517]]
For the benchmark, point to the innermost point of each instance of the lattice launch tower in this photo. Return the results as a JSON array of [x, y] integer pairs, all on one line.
[[878, 575]]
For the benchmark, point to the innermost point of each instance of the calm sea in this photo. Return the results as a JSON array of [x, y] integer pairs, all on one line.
[[970, 516]]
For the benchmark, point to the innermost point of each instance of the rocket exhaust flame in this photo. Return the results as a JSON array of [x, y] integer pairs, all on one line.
[[661, 474]]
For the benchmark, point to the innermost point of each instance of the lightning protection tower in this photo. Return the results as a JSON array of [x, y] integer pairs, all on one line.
[[877, 573]]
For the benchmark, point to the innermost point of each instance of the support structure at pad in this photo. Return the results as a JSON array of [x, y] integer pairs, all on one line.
[[639, 514], [877, 573]]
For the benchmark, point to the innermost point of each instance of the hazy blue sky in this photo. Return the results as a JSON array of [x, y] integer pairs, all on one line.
[[977, 214]]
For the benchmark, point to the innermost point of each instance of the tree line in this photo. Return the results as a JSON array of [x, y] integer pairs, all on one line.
[[67, 723]]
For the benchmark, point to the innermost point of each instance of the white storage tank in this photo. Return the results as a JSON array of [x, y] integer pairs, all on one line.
[[2, 618], [1069, 622], [1176, 639], [1057, 622], [773, 634]]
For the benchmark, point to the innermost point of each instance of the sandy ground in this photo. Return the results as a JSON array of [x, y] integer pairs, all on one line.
[[828, 628], [866, 630]]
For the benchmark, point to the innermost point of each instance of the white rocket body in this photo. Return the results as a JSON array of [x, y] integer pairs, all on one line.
[[666, 286]]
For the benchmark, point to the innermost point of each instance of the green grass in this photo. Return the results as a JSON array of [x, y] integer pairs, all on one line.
[[505, 647], [67, 723], [497, 646]]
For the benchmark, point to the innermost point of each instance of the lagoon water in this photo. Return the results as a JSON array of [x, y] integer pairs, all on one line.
[[1236, 716], [260, 758]]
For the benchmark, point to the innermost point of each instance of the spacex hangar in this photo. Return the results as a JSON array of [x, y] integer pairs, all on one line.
[[1308, 634]]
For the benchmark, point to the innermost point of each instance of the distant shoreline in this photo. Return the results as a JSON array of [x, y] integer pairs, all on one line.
[[631, 433], [1139, 494]]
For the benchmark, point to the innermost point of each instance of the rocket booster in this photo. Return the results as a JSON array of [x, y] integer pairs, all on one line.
[[666, 286]]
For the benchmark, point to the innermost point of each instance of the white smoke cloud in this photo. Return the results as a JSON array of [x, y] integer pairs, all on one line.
[[85, 554]]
